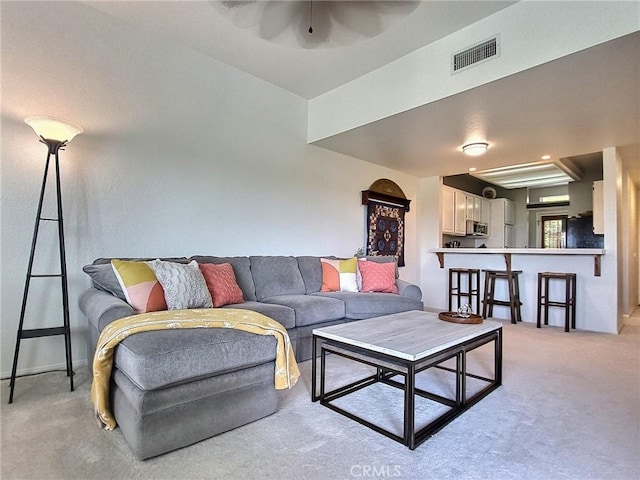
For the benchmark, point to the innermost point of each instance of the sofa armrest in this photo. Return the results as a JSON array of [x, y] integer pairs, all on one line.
[[102, 308], [407, 289]]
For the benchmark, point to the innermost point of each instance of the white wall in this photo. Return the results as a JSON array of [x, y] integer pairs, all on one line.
[[628, 235], [181, 155], [629, 247]]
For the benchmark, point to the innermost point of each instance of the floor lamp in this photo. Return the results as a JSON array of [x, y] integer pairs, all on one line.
[[55, 134]]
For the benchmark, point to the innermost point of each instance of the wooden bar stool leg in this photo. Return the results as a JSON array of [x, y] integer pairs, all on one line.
[[546, 300], [512, 294], [539, 300], [450, 288], [567, 304], [573, 301], [492, 292], [477, 290], [459, 277], [485, 297], [518, 302]]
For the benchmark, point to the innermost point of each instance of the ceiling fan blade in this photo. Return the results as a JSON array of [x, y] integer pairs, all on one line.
[[400, 7], [245, 14], [276, 18], [360, 17]]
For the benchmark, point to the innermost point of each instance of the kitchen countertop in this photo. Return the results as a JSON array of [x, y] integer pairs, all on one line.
[[507, 252], [524, 251]]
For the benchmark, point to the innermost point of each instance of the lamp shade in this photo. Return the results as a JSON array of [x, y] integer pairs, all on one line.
[[475, 149], [52, 129]]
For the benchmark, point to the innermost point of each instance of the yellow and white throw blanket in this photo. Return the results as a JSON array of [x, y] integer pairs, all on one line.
[[286, 371]]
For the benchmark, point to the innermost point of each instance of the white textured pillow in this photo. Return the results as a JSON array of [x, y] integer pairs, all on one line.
[[183, 284]]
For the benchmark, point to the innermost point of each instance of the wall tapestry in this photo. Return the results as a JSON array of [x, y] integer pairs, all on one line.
[[386, 207]]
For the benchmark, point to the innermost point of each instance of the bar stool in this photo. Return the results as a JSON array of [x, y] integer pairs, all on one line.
[[473, 286], [569, 303], [513, 302]]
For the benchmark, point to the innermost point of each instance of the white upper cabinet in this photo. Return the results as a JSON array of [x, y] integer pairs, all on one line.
[[474, 208], [448, 212], [461, 213], [454, 212], [485, 211]]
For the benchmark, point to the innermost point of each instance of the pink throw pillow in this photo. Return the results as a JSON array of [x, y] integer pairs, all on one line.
[[221, 282], [378, 277]]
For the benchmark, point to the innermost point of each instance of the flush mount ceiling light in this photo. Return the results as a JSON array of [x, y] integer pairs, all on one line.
[[537, 174], [475, 149]]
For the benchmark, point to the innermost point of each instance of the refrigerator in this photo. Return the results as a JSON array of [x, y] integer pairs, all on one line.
[[501, 226]]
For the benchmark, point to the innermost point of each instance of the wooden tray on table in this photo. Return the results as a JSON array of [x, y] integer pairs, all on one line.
[[454, 317]]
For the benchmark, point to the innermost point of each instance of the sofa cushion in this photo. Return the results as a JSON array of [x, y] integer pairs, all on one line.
[[365, 305], [311, 272], [221, 283], [101, 261], [276, 276], [104, 278], [280, 313], [241, 269], [311, 309], [160, 358]]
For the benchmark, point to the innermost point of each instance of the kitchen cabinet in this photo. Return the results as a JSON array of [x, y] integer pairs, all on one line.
[[461, 213], [485, 211], [598, 208], [453, 212], [474, 208]]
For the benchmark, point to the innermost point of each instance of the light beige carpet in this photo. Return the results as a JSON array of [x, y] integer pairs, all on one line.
[[569, 408]]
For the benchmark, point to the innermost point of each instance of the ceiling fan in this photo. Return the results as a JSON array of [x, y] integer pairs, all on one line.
[[313, 24]]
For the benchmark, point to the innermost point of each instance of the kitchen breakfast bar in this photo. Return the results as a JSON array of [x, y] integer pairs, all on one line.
[[596, 253], [586, 263]]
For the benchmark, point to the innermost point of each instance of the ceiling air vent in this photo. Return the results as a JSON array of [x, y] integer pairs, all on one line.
[[476, 54]]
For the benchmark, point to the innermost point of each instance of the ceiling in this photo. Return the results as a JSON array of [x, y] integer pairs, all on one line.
[[564, 108], [209, 27]]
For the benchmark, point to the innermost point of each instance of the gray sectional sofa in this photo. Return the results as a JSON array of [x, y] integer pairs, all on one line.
[[174, 388]]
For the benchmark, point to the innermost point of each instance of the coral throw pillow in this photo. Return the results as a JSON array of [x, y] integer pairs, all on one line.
[[378, 277], [222, 284], [184, 286], [140, 286], [339, 275]]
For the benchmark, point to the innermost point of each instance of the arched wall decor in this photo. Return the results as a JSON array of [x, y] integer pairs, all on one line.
[[386, 206]]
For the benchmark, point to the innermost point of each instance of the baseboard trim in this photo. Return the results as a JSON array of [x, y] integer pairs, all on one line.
[[44, 369]]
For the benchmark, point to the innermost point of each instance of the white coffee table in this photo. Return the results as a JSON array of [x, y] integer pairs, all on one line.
[[406, 344]]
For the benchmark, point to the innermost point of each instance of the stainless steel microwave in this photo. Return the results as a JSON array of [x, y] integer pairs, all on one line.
[[477, 229]]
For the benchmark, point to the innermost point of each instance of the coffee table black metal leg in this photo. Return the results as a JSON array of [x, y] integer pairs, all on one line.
[[461, 394], [498, 358], [409, 407], [323, 354], [314, 397]]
